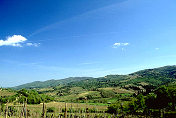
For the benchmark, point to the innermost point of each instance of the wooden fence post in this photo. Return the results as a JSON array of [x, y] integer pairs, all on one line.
[[43, 110], [65, 110]]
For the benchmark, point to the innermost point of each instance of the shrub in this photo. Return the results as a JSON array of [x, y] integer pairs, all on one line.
[[107, 94], [51, 109]]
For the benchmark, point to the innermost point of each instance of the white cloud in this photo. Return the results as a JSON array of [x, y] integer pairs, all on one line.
[[120, 44], [15, 40], [156, 48], [124, 44], [33, 44], [117, 44]]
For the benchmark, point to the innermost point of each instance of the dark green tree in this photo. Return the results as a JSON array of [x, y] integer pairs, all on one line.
[[162, 98]]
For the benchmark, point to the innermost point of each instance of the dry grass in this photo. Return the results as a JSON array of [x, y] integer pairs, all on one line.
[[36, 110], [67, 98], [51, 93], [6, 93], [143, 83], [85, 93], [58, 106], [45, 89], [118, 90]]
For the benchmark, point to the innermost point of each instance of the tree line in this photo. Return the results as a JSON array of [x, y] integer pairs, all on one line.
[[24, 95], [163, 99]]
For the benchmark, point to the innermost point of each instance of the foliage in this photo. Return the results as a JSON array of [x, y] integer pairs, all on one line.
[[161, 98], [32, 97], [51, 109], [150, 101], [106, 93], [114, 108], [29, 96]]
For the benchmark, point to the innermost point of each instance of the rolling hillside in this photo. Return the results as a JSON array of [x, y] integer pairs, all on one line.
[[104, 89], [154, 77], [50, 83], [141, 79]]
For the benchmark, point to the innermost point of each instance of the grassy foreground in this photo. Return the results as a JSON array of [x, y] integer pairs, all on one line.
[[54, 109]]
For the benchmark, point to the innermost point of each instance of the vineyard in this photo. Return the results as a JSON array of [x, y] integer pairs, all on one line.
[[54, 110]]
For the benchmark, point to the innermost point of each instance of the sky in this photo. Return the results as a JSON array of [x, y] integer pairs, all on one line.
[[54, 39]]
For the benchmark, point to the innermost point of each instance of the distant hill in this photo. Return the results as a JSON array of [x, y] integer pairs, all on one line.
[[148, 77], [50, 83], [138, 80]]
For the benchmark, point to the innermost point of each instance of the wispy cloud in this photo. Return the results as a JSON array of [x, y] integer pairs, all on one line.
[[115, 45], [156, 48], [88, 63], [77, 17], [33, 44], [17, 41]]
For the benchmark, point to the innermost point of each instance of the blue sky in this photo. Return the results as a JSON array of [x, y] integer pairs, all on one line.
[[44, 39]]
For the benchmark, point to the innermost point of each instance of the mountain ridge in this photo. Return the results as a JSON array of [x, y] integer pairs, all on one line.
[[154, 77], [49, 83]]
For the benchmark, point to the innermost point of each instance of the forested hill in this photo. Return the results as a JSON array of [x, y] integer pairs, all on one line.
[[166, 71], [50, 83], [140, 79]]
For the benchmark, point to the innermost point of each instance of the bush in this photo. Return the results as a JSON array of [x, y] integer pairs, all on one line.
[[32, 97], [107, 94], [113, 108], [170, 114], [51, 109]]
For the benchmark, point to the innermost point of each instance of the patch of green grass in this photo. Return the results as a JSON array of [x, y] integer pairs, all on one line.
[[112, 100]]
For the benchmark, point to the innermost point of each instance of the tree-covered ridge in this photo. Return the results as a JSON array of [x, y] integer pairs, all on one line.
[[154, 77], [166, 72], [102, 82], [138, 80], [50, 83], [141, 79]]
